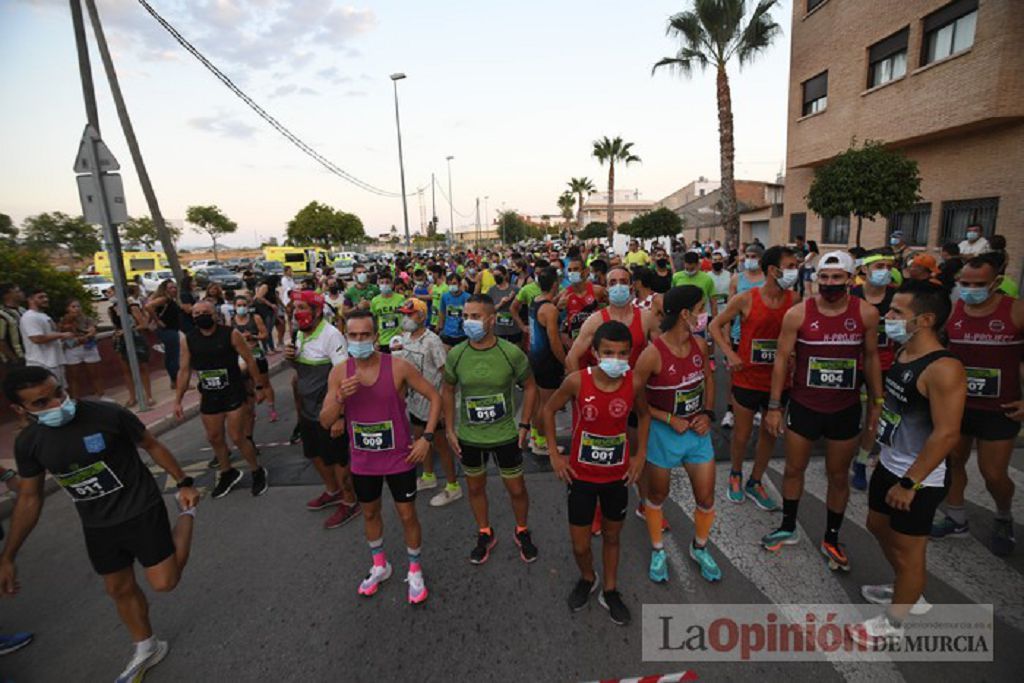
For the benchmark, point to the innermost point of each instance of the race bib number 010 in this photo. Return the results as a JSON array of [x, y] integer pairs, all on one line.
[[377, 436], [602, 451], [984, 382], [831, 373], [689, 401], [89, 483], [888, 423], [762, 351], [482, 410], [213, 380]]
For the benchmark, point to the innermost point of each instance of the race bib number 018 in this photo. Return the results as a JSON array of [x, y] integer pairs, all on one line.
[[984, 382], [482, 410], [689, 401], [888, 423], [831, 373], [213, 380], [90, 483], [602, 451], [378, 436], [762, 351]]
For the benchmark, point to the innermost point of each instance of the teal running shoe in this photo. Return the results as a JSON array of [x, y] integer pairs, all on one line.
[[756, 492], [779, 538], [659, 566], [734, 494], [708, 567]]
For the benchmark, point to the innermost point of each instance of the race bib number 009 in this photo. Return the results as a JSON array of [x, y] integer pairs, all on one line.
[[378, 436], [602, 451], [888, 423], [831, 373], [89, 483], [689, 401], [213, 380], [984, 382], [762, 351], [482, 410]]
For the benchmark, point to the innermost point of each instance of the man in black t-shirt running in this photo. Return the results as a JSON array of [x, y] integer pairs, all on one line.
[[90, 449]]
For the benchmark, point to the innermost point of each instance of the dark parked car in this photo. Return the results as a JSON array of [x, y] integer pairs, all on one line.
[[268, 267], [219, 275]]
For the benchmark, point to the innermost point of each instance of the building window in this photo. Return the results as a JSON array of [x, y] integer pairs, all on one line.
[[816, 94], [811, 4], [887, 59], [913, 224], [949, 30], [836, 230], [797, 226], [957, 215]]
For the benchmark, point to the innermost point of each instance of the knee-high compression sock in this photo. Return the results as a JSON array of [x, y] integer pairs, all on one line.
[[414, 558], [789, 510], [833, 521], [377, 552], [702, 521], [653, 517]]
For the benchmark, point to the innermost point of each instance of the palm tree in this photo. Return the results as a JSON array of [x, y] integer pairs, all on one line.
[[712, 33], [612, 150], [579, 187], [566, 203]]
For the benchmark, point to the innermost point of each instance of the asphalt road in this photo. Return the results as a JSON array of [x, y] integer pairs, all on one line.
[[270, 595]]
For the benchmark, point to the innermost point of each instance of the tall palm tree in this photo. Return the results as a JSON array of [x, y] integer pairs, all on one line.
[[566, 203], [579, 187], [612, 150], [712, 33]]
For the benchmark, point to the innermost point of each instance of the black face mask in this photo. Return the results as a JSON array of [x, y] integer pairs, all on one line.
[[204, 321], [499, 279], [717, 266], [832, 293], [663, 263], [333, 289]]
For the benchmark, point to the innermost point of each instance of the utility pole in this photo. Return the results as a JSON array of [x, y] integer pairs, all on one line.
[[451, 204], [401, 163], [477, 222], [433, 202], [129, 133]]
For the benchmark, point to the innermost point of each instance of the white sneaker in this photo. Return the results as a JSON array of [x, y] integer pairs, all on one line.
[[377, 576], [868, 634], [757, 419], [424, 483], [140, 663], [446, 496], [728, 420], [882, 595], [417, 588]]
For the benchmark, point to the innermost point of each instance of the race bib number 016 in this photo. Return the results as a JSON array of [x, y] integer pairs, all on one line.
[[689, 401], [831, 373], [482, 410], [89, 483], [984, 382], [762, 351], [888, 423], [378, 436], [213, 380], [602, 451]]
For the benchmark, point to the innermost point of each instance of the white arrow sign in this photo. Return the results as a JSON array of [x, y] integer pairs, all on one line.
[[89, 193], [106, 159]]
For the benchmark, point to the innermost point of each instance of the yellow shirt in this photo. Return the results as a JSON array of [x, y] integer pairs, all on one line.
[[637, 258], [486, 281]]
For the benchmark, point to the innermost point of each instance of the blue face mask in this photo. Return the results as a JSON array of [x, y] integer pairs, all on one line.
[[614, 367], [618, 295], [360, 349], [880, 278], [385, 289], [474, 329], [574, 277], [974, 296], [788, 278], [751, 263], [894, 241], [59, 416], [897, 331]]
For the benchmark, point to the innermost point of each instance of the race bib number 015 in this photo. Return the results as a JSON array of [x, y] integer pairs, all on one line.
[[888, 423], [831, 373], [213, 380], [762, 351], [378, 436], [689, 401], [984, 382], [89, 483], [602, 451], [482, 410]]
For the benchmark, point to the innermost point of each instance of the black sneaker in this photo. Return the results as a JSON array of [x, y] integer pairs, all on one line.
[[259, 481], [1003, 541], [617, 610], [295, 437], [225, 482], [214, 464], [527, 550], [581, 593], [484, 543]]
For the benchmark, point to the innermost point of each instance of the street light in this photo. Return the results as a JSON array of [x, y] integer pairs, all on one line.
[[451, 203], [401, 164]]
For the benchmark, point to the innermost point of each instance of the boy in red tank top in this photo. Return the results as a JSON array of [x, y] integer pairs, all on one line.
[[599, 467]]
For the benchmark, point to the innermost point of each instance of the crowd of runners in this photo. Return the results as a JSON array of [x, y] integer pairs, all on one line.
[[900, 364]]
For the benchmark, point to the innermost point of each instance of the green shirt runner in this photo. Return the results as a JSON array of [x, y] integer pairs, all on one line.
[[700, 279], [529, 292], [436, 291], [355, 294], [487, 409], [385, 310]]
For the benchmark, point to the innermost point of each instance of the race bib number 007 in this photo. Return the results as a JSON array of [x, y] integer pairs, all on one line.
[[89, 483], [485, 409], [377, 436], [984, 382], [831, 373], [602, 451]]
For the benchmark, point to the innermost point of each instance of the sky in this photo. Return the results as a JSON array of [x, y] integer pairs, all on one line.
[[515, 91]]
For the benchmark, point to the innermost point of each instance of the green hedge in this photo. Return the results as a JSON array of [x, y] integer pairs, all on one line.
[[30, 268]]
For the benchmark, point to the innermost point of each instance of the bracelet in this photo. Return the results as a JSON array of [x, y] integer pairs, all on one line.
[[525, 425], [774, 404], [668, 418], [880, 401], [8, 475], [185, 483]]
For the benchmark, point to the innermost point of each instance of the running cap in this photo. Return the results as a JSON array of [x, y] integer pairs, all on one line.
[[413, 305], [838, 260]]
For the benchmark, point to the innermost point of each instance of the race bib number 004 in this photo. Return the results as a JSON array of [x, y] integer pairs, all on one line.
[[984, 382], [689, 401], [832, 373], [762, 351], [888, 423], [482, 410], [213, 380], [377, 436], [89, 483], [602, 451]]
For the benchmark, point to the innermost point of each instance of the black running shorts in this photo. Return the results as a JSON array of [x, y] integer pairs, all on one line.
[[915, 522], [988, 425], [584, 496], [812, 425], [317, 443], [369, 487], [547, 371], [509, 458], [224, 401], [145, 537], [754, 400]]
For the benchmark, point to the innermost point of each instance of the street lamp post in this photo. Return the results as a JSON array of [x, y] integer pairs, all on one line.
[[401, 164], [451, 204]]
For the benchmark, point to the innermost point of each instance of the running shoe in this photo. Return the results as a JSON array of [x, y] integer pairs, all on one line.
[[757, 419], [728, 420], [446, 496], [324, 500], [423, 482], [273, 416], [342, 516], [14, 642], [835, 556], [378, 575], [295, 437], [527, 550], [581, 593], [757, 493], [417, 588], [859, 480], [948, 527], [779, 538], [708, 567], [226, 481], [259, 481], [617, 610], [882, 595], [734, 493], [482, 550], [658, 572], [1003, 541], [874, 632], [641, 512], [214, 463], [140, 663]]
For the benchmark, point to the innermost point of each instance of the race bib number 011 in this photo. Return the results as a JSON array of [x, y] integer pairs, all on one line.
[[213, 380], [89, 483], [377, 436], [762, 351], [888, 423], [602, 451], [984, 382], [689, 401], [831, 373], [481, 410]]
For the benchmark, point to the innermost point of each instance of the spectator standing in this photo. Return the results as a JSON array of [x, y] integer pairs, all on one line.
[[42, 341], [12, 351], [137, 321], [951, 264], [186, 297], [81, 353], [974, 244], [163, 306]]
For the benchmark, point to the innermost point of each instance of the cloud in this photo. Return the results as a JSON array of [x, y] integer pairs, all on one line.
[[355, 93], [308, 91], [332, 75], [224, 126], [283, 90]]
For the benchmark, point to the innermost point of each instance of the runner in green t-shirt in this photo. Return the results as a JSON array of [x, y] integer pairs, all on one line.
[[384, 307], [361, 293], [437, 290], [691, 274], [484, 369]]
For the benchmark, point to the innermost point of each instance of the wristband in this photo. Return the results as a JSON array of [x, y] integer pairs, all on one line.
[[668, 419], [774, 404], [525, 425], [185, 483], [880, 401], [8, 475]]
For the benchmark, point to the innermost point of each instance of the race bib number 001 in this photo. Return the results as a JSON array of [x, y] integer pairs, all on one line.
[[888, 423], [831, 373], [984, 382], [377, 436], [481, 410], [689, 401], [89, 483], [762, 351], [602, 451], [213, 380]]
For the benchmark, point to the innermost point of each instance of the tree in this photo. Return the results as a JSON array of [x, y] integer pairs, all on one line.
[[580, 187], [7, 228], [663, 222], [566, 202], [32, 266], [513, 228], [57, 230], [712, 33], [866, 182], [610, 151], [141, 232], [594, 231], [212, 221], [322, 225]]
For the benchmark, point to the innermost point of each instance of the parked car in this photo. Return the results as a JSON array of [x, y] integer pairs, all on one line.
[[268, 267], [202, 263], [344, 266], [220, 275], [245, 262], [152, 279], [97, 285], [232, 264]]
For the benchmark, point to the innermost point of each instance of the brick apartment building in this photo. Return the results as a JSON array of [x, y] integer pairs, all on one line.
[[941, 81]]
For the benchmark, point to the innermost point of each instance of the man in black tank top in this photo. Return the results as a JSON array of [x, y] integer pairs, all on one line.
[[925, 393], [213, 351]]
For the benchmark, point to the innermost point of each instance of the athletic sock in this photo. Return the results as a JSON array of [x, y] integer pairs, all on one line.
[[789, 509], [377, 552], [833, 520], [736, 473], [452, 486], [863, 456], [144, 647], [521, 529], [702, 521], [414, 558], [487, 530], [428, 476], [653, 516], [957, 513], [1004, 515]]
